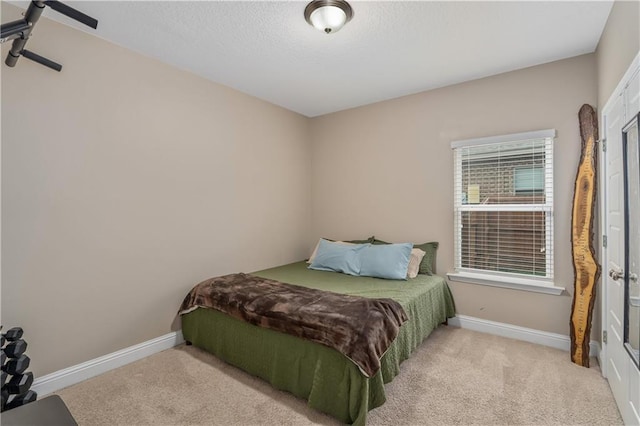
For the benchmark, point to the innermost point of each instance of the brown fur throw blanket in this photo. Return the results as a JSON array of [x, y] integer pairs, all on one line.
[[360, 328]]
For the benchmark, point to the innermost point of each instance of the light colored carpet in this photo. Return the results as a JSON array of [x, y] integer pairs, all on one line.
[[457, 376]]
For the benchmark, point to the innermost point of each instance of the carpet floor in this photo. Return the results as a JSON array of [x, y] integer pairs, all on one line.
[[456, 376]]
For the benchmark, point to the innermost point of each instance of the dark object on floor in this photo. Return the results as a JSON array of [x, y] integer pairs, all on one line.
[[20, 383], [17, 365], [47, 411], [15, 380], [13, 334], [20, 400], [5, 397], [15, 348]]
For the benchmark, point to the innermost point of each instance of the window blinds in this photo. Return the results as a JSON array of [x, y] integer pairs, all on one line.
[[504, 205]]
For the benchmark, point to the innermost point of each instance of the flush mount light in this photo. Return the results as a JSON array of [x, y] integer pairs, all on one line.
[[328, 15]]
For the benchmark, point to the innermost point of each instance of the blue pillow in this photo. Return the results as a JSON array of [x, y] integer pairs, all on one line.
[[338, 257], [386, 261]]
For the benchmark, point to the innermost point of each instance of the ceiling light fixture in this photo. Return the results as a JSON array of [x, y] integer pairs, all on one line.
[[328, 15]]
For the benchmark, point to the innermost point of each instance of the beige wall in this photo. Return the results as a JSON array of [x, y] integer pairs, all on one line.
[[619, 44], [124, 183], [387, 169]]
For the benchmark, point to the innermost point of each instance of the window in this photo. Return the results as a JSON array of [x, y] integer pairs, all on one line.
[[503, 192], [529, 180]]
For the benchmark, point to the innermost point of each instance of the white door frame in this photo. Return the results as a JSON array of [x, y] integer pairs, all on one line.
[[602, 172]]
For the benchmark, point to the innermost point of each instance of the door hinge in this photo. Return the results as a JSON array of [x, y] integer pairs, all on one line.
[[604, 336], [604, 241], [603, 142]]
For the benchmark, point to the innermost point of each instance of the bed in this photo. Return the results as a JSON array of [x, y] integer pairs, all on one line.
[[329, 381]]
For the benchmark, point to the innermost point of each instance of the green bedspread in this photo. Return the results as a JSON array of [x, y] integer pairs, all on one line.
[[327, 379]]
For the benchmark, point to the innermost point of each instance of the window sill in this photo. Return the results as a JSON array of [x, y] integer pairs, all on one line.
[[504, 282]]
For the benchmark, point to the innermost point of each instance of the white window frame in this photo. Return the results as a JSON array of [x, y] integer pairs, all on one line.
[[493, 278]]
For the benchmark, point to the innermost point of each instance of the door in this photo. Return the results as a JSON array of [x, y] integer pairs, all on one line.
[[618, 365], [614, 231]]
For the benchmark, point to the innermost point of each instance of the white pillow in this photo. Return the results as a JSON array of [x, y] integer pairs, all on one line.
[[414, 262], [315, 250]]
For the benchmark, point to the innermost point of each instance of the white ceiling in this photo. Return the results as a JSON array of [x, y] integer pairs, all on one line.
[[389, 49]]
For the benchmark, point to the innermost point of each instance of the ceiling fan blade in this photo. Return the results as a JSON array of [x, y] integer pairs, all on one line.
[[72, 13], [41, 60]]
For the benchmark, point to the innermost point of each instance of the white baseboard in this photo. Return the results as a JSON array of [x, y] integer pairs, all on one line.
[[75, 374], [554, 340]]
